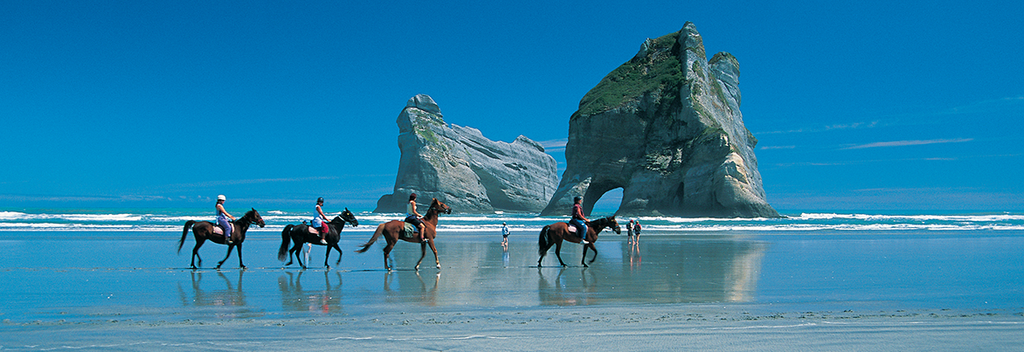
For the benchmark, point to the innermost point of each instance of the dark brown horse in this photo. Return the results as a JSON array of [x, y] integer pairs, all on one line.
[[299, 235], [394, 229], [554, 234], [204, 230]]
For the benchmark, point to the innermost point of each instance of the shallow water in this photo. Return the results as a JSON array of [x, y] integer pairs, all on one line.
[[87, 283], [105, 275]]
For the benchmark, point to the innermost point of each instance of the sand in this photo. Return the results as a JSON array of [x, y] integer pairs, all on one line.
[[919, 291]]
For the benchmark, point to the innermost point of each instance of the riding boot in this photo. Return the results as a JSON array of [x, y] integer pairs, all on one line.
[[228, 237], [322, 240]]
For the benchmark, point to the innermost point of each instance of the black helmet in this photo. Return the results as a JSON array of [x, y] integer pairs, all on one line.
[[576, 199], [320, 200]]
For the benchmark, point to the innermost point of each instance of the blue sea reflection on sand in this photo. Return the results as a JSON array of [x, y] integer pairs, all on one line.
[[89, 278]]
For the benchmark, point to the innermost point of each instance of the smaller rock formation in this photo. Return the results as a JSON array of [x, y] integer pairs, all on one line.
[[464, 169]]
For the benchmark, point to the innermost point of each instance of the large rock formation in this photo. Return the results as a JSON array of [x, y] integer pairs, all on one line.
[[666, 127], [465, 170]]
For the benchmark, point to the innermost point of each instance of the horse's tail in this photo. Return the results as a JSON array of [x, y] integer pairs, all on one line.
[[181, 242], [285, 238], [376, 234], [543, 243]]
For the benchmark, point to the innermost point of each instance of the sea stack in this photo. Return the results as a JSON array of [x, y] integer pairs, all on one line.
[[666, 127], [460, 167]]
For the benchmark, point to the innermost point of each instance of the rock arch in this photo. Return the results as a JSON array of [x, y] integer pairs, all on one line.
[[667, 128]]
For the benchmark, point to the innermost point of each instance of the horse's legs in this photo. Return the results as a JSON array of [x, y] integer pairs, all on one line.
[[558, 251], [296, 252], [240, 265], [230, 247], [291, 253], [195, 252], [387, 250], [436, 261], [327, 256], [583, 260], [335, 245], [423, 253], [591, 245]]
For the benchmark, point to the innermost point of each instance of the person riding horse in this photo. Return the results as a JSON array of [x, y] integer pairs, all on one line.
[[320, 220], [223, 216], [412, 217], [578, 220]]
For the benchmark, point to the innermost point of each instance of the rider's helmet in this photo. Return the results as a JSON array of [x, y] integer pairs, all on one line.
[[320, 200], [221, 197]]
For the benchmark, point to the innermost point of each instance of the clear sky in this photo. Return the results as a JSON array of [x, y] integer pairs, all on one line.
[[909, 105]]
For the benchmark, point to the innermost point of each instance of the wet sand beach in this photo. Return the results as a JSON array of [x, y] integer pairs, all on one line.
[[736, 291]]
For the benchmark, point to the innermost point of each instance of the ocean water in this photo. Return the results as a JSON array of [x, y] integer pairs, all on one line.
[[98, 275], [172, 220]]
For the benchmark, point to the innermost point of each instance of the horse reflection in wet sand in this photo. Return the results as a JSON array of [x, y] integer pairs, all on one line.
[[554, 234], [393, 230], [296, 299], [205, 230]]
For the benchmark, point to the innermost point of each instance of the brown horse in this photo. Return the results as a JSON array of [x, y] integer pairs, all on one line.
[[393, 230], [299, 234], [552, 235], [204, 230]]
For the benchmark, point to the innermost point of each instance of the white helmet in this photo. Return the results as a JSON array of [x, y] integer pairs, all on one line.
[[222, 197]]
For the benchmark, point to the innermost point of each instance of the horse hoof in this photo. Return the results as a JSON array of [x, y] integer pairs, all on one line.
[[439, 267]]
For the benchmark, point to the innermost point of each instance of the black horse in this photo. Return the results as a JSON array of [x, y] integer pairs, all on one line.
[[300, 234], [205, 230]]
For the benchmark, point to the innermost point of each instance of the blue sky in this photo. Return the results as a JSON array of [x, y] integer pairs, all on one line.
[[857, 106]]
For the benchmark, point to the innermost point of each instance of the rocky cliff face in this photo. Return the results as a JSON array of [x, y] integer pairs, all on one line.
[[666, 127], [465, 170]]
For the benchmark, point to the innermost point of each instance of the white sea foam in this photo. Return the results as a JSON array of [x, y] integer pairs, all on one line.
[[276, 220]]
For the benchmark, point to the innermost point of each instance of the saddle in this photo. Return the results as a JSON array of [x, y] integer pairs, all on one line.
[[570, 227], [219, 231], [408, 231], [312, 230]]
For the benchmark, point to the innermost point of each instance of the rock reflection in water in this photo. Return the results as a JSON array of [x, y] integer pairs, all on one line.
[[325, 300], [686, 271]]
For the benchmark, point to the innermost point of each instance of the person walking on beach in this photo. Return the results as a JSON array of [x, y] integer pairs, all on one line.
[[412, 217], [320, 220], [504, 235], [636, 229], [223, 216], [578, 220], [629, 229]]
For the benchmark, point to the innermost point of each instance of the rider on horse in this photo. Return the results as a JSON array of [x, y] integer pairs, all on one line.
[[412, 217], [222, 217], [320, 220], [578, 220]]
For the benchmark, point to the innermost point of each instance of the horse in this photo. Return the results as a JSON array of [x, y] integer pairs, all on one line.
[[392, 231], [204, 230], [299, 234], [552, 235]]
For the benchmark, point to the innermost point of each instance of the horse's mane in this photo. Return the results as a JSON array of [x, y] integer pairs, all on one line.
[[605, 221]]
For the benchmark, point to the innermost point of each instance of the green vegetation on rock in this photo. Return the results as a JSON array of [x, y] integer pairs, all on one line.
[[660, 70]]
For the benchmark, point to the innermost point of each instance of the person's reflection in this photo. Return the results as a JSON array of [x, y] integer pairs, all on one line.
[[564, 291], [405, 292], [634, 254], [504, 255], [294, 298], [232, 295]]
